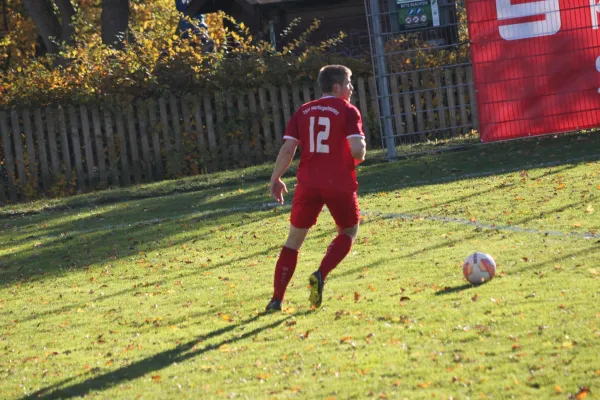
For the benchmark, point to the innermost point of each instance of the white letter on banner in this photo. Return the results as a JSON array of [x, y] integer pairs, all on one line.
[[526, 30], [598, 65], [595, 10]]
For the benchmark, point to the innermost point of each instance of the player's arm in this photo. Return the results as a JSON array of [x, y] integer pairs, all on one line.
[[356, 136], [358, 148], [284, 159]]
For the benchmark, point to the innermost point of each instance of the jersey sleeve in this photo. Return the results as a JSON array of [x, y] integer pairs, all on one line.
[[354, 126], [291, 131]]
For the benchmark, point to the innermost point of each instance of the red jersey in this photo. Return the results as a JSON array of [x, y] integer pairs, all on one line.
[[322, 128]]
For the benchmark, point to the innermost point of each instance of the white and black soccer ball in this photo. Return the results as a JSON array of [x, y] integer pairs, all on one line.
[[479, 268]]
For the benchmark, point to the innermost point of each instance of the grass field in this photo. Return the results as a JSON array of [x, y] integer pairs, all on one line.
[[158, 291]]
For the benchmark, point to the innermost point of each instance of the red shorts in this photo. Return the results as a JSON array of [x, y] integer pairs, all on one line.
[[308, 203]]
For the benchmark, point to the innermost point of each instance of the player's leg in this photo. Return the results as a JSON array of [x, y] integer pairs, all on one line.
[[286, 265], [352, 231], [338, 249], [346, 214], [296, 237], [306, 207]]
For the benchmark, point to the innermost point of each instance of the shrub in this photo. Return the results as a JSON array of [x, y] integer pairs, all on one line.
[[156, 61]]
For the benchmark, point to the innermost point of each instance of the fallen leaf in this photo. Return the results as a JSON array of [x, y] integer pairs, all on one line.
[[582, 394], [345, 339], [589, 209], [474, 298], [577, 225], [424, 384], [473, 219], [356, 296], [558, 389], [568, 344], [404, 298], [156, 378], [561, 186], [263, 377], [224, 348], [226, 317], [594, 272]]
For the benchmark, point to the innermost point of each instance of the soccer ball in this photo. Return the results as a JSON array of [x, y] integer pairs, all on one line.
[[479, 268]]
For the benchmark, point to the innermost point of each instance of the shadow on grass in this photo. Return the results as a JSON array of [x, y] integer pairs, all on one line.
[[149, 211], [159, 361], [223, 180], [586, 252], [62, 254], [67, 252], [483, 160], [190, 273], [481, 193], [455, 289]]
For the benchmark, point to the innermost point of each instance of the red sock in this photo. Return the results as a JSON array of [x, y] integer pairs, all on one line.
[[284, 270], [336, 252]]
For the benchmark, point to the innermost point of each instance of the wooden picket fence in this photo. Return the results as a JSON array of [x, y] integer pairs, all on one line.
[[82, 147]]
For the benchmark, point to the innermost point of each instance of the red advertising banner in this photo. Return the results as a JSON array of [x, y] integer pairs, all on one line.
[[536, 66]]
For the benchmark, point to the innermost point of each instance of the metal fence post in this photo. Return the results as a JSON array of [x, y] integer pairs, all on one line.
[[380, 71]]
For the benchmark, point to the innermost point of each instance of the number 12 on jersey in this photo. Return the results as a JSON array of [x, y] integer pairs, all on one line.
[[321, 135]]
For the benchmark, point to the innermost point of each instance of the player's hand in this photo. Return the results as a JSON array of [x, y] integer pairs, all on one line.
[[277, 189]]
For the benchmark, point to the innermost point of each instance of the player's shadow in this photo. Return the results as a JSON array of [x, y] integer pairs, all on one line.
[[455, 289], [156, 362]]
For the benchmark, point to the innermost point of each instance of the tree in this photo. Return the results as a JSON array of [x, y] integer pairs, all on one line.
[[52, 29], [115, 19], [53, 19], [4, 31]]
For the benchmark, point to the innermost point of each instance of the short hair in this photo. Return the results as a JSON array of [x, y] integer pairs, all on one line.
[[332, 74]]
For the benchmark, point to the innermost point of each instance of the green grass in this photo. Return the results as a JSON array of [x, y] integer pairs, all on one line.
[[157, 291]]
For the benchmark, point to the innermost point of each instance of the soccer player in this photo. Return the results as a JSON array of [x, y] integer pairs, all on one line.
[[329, 132]]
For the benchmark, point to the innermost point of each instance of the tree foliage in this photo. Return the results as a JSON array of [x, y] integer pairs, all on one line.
[[153, 61]]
